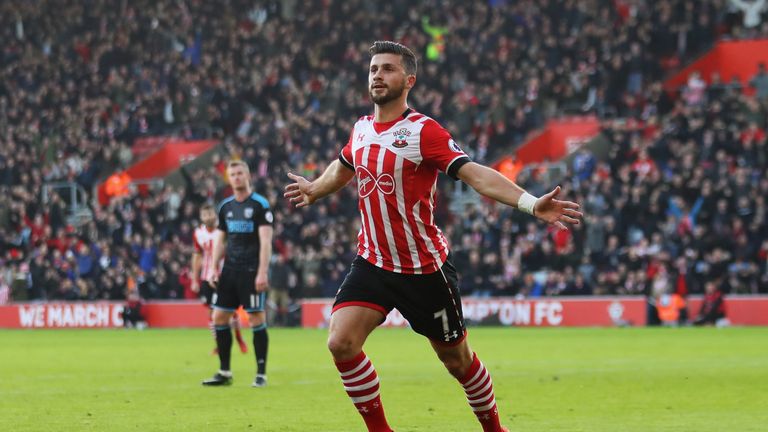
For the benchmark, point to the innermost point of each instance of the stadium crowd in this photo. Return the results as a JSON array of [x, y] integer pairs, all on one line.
[[678, 200]]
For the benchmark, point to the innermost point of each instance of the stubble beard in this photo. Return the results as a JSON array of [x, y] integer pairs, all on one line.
[[390, 95], [240, 188]]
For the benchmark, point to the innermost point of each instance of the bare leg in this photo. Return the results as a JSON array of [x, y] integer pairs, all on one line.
[[457, 359], [349, 328]]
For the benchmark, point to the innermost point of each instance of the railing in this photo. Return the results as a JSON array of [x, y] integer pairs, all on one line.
[[78, 211], [542, 177]]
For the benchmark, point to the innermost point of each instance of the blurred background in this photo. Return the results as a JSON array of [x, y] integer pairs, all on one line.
[[117, 119]]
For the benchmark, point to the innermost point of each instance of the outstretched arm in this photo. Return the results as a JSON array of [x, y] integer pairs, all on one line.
[[302, 192], [490, 183]]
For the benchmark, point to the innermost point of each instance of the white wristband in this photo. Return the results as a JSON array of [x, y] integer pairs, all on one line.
[[526, 203]]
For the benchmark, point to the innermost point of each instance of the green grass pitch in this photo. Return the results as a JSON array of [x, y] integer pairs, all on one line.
[[591, 380]]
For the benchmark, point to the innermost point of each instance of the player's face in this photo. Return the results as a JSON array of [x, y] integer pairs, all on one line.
[[208, 218], [238, 177], [387, 79]]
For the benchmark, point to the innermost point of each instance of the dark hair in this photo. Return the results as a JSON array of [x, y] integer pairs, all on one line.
[[207, 206], [410, 64]]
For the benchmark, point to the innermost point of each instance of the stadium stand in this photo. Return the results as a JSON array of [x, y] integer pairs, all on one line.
[[678, 198]]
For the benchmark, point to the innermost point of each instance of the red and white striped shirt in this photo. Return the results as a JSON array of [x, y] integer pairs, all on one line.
[[396, 165], [203, 239]]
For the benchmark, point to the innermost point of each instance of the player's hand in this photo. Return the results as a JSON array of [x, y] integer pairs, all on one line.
[[556, 212], [262, 282], [195, 286], [299, 192], [213, 281]]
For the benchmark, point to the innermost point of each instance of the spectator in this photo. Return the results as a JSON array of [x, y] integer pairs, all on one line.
[[5, 290], [695, 90], [279, 296], [147, 256], [712, 311], [760, 83], [75, 98]]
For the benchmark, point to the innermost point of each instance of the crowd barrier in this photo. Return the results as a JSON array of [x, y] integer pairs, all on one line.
[[163, 314], [560, 311], [541, 312]]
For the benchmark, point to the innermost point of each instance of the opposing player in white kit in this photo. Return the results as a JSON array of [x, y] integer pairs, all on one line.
[[403, 258], [203, 268]]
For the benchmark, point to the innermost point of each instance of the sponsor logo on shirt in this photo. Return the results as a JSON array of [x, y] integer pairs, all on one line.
[[367, 183], [239, 226]]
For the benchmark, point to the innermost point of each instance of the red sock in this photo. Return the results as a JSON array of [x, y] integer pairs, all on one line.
[[479, 390], [235, 322], [362, 385]]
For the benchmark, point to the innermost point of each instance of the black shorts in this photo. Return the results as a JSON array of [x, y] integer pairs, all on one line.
[[430, 302], [238, 288], [206, 293]]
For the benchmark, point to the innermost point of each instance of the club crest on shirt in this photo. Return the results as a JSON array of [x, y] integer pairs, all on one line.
[[401, 138], [248, 212]]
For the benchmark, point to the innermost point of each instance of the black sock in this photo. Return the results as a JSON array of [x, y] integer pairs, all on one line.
[[224, 344], [260, 344]]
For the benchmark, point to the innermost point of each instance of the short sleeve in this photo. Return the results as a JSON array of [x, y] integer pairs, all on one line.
[[264, 214], [266, 217], [345, 156], [222, 218], [198, 248], [440, 150]]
